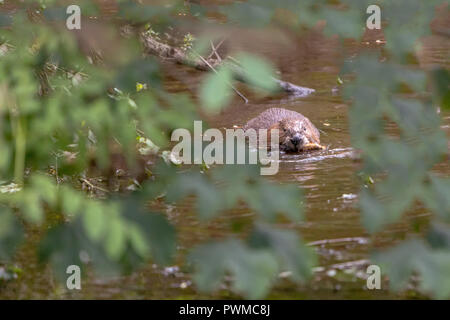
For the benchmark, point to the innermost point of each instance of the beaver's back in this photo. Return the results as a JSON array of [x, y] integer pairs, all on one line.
[[271, 116]]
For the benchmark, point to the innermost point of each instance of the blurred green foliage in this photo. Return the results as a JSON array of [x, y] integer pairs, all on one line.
[[53, 100]]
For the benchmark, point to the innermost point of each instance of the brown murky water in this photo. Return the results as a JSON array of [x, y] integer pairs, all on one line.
[[328, 179]]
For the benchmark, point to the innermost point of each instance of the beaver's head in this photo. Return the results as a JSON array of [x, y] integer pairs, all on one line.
[[295, 133]]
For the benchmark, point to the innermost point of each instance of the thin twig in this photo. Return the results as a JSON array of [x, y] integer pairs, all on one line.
[[213, 69], [234, 60], [93, 186], [214, 50], [153, 47]]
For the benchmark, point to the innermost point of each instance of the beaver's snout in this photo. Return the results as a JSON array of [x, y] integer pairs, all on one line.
[[293, 134], [294, 144], [297, 139]]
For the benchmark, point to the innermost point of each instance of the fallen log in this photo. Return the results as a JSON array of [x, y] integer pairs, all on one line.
[[178, 55]]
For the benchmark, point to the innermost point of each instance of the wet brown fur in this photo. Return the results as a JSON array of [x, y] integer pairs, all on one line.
[[290, 124]]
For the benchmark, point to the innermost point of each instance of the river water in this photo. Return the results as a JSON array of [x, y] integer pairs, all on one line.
[[328, 178]]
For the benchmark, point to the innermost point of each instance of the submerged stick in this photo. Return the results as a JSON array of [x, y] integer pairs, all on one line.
[[165, 51], [313, 146]]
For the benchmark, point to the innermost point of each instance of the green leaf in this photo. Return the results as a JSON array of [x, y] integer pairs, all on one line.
[[405, 25], [286, 245], [253, 270], [72, 201], [115, 242], [347, 24], [268, 199], [258, 71], [441, 82], [67, 244], [208, 202], [413, 116], [31, 207], [138, 240], [248, 14], [94, 221], [436, 196], [45, 187], [400, 261], [215, 90], [5, 159], [149, 231], [435, 270], [5, 20], [61, 246], [236, 181], [374, 213], [11, 233], [439, 236], [132, 11]]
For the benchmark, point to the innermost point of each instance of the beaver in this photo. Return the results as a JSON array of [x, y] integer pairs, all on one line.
[[296, 132]]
